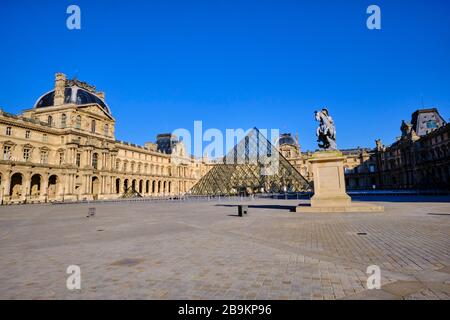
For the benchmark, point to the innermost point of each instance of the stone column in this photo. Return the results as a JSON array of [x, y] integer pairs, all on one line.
[[60, 82], [86, 184], [26, 186], [121, 186], [69, 184], [103, 181], [6, 186], [44, 187], [73, 156], [112, 185]]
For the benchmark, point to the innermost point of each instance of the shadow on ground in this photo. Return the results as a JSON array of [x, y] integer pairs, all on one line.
[[262, 206], [401, 198]]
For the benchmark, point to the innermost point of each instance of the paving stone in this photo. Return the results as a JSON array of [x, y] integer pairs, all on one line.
[[403, 288], [372, 295], [172, 250]]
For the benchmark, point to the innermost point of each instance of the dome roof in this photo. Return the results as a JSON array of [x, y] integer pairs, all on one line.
[[72, 94], [286, 138]]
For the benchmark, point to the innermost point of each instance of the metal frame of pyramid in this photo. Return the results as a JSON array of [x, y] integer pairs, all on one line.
[[254, 165], [131, 193]]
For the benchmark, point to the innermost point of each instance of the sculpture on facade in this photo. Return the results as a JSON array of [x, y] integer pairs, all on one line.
[[326, 132]]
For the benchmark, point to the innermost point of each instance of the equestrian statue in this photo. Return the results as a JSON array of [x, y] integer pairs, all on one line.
[[326, 132]]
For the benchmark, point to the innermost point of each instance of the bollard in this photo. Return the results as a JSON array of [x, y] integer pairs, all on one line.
[[91, 212], [242, 210]]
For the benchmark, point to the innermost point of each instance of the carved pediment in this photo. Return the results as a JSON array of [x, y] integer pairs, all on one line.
[[9, 143], [95, 109]]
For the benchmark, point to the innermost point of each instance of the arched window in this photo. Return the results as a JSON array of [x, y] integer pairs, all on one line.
[[78, 122], [95, 160], [93, 126], [63, 120]]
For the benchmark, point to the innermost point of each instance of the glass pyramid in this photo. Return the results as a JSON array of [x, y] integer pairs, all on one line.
[[254, 165]]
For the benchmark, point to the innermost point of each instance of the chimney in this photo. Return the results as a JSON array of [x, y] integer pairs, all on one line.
[[298, 141], [150, 146], [379, 144], [60, 83]]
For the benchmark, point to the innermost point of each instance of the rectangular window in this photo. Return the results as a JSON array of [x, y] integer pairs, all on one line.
[[27, 134], [95, 160], [26, 154], [78, 122], [44, 157], [78, 159], [6, 153], [431, 124], [8, 131], [63, 120], [44, 137], [61, 158]]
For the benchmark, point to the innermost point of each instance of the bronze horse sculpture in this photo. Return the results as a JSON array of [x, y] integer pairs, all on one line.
[[326, 132]]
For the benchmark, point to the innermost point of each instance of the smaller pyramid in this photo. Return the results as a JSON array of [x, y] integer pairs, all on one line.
[[253, 166], [131, 193]]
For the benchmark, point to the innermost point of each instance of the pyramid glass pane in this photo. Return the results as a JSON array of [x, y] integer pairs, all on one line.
[[254, 165]]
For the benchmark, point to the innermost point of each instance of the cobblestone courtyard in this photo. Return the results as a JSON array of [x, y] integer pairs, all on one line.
[[203, 250]]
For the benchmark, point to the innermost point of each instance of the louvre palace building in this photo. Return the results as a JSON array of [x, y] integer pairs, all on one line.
[[64, 149], [419, 159]]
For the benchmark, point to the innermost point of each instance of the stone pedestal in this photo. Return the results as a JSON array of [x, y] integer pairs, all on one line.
[[329, 180], [329, 186]]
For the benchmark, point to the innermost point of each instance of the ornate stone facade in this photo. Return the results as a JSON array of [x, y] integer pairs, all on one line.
[[354, 160], [64, 149], [419, 159]]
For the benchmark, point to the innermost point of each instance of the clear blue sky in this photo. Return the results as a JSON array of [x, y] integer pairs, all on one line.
[[235, 64]]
